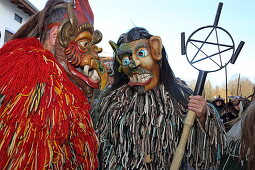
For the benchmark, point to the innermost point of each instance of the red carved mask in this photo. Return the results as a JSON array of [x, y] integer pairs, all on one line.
[[78, 40]]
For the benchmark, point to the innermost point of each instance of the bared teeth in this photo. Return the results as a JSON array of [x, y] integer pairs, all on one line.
[[95, 76], [140, 78], [86, 70], [91, 73], [131, 79], [136, 77]]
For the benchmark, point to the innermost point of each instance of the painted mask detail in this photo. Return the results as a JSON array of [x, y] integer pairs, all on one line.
[[138, 60], [79, 43]]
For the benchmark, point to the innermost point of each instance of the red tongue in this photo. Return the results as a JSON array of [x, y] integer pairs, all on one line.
[[88, 80]]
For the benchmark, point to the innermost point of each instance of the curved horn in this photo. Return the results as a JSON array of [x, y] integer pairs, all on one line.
[[97, 37], [72, 17], [68, 27], [59, 6]]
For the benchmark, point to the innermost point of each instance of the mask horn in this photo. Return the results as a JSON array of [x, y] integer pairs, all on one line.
[[97, 37], [68, 27]]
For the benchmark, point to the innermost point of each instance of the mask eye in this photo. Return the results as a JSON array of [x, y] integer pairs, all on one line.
[[83, 43], [126, 61], [142, 53]]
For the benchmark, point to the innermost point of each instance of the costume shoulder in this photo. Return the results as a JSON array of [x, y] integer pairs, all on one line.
[[183, 86], [44, 117], [95, 109], [23, 63]]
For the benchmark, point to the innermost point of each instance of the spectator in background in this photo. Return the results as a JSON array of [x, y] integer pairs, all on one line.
[[234, 109], [219, 104]]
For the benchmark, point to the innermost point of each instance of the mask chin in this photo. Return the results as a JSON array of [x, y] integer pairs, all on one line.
[[139, 89]]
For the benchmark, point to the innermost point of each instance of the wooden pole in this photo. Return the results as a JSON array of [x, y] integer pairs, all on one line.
[[238, 81], [179, 152], [226, 84], [189, 121]]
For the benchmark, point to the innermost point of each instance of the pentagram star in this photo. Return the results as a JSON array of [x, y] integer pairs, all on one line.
[[206, 42]]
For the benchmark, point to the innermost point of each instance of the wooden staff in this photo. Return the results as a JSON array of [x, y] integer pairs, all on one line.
[[189, 121]]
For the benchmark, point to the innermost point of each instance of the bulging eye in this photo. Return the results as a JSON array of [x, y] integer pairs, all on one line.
[[126, 61], [142, 53], [83, 43]]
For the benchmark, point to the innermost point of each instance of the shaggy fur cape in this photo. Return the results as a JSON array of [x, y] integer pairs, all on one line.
[[44, 117]]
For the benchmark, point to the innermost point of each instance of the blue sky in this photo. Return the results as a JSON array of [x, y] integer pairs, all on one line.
[[168, 18]]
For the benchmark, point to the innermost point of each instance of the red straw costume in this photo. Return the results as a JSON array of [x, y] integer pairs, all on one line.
[[44, 119]]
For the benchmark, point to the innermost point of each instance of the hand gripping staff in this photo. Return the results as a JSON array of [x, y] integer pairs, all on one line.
[[217, 59]]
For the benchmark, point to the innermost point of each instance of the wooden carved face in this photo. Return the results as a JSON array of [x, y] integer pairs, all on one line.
[[138, 60], [80, 53]]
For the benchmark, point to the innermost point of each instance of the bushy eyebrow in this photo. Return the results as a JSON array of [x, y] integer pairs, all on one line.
[[141, 45]]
